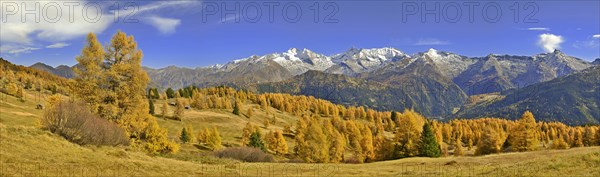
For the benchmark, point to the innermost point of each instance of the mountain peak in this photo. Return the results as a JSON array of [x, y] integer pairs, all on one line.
[[556, 51], [41, 64], [432, 53], [293, 51]]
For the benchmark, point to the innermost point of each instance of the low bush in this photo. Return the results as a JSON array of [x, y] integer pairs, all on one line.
[[78, 124], [246, 154]]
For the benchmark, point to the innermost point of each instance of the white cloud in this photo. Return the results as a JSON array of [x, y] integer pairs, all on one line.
[[596, 36], [164, 25], [54, 23], [57, 45], [16, 49], [538, 29], [550, 42], [431, 41], [155, 7], [57, 25]]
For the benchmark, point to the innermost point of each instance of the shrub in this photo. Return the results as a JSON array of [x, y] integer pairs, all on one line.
[[246, 154], [79, 125]]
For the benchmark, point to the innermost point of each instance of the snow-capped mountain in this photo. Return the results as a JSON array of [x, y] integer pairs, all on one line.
[[294, 60], [356, 61], [562, 63], [449, 64], [475, 75], [300, 61]]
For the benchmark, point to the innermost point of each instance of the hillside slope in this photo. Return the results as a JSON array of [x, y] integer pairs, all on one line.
[[573, 99]]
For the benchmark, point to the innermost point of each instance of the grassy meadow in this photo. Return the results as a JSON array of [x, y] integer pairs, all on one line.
[[27, 150]]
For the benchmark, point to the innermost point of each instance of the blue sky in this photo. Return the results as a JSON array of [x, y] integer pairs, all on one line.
[[188, 33]]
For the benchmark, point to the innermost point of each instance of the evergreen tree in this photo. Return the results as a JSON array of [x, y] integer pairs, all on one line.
[[170, 93], [428, 145], [185, 136], [256, 141], [155, 94], [151, 105], [394, 116]]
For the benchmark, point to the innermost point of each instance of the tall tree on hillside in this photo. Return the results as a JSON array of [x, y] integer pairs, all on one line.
[[90, 72], [394, 116], [524, 135], [589, 136], [164, 109], [185, 136], [170, 93], [458, 150], [336, 149], [367, 145], [281, 146], [179, 108], [408, 134], [236, 108], [489, 142], [257, 141], [214, 140], [428, 145], [598, 136], [246, 133], [151, 106], [116, 89], [250, 112]]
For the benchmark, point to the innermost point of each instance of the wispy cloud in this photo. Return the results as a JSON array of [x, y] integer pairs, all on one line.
[[148, 13], [157, 7], [538, 29], [54, 30], [233, 18], [16, 50], [57, 45], [22, 35], [550, 42], [592, 42], [164, 25], [586, 44], [431, 41]]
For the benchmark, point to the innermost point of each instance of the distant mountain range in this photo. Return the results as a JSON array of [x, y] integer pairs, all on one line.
[[436, 83], [61, 70], [573, 99]]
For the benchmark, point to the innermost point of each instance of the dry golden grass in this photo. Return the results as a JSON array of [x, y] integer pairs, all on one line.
[[26, 150]]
